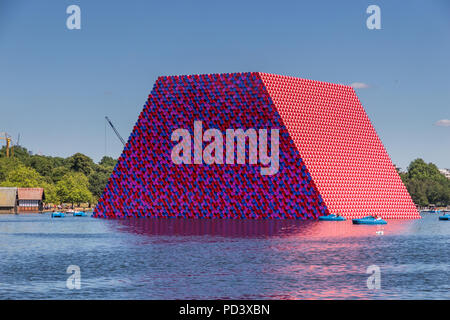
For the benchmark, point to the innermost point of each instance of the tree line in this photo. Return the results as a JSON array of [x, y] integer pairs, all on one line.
[[75, 179], [426, 184], [78, 179]]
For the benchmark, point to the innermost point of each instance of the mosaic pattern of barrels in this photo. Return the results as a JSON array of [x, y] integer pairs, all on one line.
[[330, 157]]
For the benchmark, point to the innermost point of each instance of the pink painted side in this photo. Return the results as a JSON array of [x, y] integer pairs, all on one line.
[[342, 151]]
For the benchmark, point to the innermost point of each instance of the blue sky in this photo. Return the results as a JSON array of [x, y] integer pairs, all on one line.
[[56, 84]]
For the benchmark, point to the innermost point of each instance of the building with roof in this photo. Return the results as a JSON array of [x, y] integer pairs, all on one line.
[[445, 172], [30, 199], [327, 157], [8, 200]]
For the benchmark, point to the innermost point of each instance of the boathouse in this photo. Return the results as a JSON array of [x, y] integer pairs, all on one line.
[[30, 199], [8, 200]]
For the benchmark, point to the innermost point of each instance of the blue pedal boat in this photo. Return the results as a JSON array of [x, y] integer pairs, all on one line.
[[445, 217], [431, 211], [79, 214], [58, 215], [369, 220], [331, 217]]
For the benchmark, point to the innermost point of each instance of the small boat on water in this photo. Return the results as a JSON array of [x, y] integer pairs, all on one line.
[[332, 217], [79, 214], [431, 211], [58, 214], [445, 217], [369, 220]]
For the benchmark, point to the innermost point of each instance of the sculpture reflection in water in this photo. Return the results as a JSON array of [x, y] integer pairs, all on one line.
[[214, 227], [256, 228]]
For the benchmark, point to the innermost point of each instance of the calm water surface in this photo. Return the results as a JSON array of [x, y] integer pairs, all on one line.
[[222, 259]]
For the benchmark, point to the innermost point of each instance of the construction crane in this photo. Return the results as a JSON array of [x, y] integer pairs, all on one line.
[[117, 133], [7, 138]]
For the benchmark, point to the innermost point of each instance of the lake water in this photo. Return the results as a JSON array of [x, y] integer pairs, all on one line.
[[222, 259]]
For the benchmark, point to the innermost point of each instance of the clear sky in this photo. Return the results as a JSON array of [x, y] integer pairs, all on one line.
[[56, 84]]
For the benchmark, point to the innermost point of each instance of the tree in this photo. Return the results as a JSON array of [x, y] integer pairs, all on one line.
[[41, 164], [7, 165], [50, 194], [74, 188], [58, 161], [80, 163], [75, 179], [58, 173], [426, 184], [97, 182], [417, 191], [418, 169], [107, 162], [23, 177], [19, 152]]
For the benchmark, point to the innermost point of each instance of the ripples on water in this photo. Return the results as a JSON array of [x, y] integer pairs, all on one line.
[[222, 259]]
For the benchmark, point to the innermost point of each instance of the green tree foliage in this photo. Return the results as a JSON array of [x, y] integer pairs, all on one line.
[[76, 179], [19, 152], [74, 188], [80, 163], [7, 165], [426, 184], [100, 175], [24, 177], [58, 173], [107, 162], [41, 164], [98, 180]]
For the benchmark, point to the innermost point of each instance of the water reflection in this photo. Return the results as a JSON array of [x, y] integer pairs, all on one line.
[[216, 227], [257, 228], [221, 259]]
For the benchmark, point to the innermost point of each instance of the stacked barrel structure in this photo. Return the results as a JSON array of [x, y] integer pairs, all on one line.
[[330, 157]]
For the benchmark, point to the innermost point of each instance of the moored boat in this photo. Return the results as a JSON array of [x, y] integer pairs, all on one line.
[[431, 211], [332, 217], [58, 214], [369, 220]]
